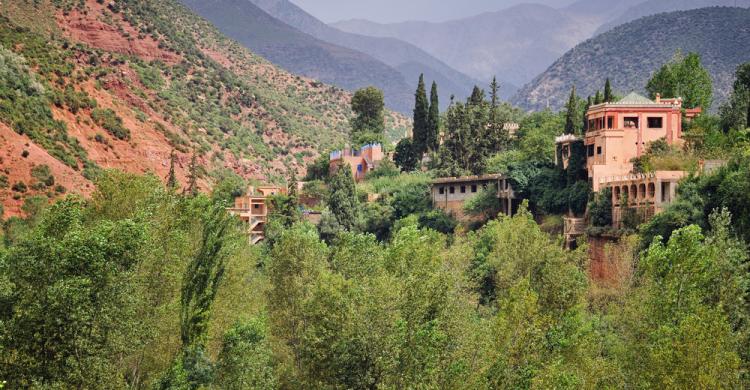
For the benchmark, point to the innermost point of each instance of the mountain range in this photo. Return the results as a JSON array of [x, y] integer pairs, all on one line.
[[291, 38], [518, 43], [629, 54], [407, 58]]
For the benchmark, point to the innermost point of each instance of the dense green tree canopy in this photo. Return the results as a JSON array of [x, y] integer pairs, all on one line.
[[683, 77], [368, 124]]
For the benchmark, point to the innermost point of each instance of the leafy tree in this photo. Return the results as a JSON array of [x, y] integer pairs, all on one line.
[[285, 209], [421, 130], [735, 113], [318, 169], [70, 314], [683, 77], [468, 139], [438, 221], [245, 360], [485, 204], [433, 120], [411, 199], [406, 155], [230, 186], [368, 124], [295, 263], [600, 209], [678, 336], [343, 200], [608, 96], [743, 83]]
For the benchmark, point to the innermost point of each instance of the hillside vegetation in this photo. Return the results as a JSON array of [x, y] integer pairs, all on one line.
[[629, 54], [86, 86]]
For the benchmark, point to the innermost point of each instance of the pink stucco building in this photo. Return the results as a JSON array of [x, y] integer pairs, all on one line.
[[360, 161], [619, 132]]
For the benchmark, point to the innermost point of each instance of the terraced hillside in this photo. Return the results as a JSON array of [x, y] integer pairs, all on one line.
[[87, 85]]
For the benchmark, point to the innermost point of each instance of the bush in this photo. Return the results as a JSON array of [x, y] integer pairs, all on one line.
[[20, 187], [600, 209], [3, 182], [43, 175], [439, 221], [386, 169], [318, 169], [109, 120]]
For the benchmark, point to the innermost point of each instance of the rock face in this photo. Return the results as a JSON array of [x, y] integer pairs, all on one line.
[[628, 55], [86, 28]]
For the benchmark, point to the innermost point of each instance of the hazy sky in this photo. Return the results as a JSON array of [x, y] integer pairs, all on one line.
[[399, 10]]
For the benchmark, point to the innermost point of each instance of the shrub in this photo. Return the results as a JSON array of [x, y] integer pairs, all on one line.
[[25, 154], [20, 187], [439, 221], [3, 182], [109, 120], [43, 175], [600, 209]]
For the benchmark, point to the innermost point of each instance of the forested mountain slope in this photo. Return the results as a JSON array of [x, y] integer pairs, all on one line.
[[408, 59], [86, 86], [629, 55], [652, 7]]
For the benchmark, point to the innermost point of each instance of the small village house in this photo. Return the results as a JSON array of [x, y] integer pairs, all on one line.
[[361, 161]]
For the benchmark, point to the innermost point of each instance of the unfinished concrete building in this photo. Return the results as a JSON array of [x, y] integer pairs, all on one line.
[[451, 193]]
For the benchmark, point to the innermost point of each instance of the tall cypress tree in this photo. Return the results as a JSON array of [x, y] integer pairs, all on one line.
[[608, 92], [292, 189], [171, 176], [598, 99], [498, 137], [433, 120], [343, 200], [477, 96], [192, 188], [494, 93], [585, 120], [572, 113], [421, 111]]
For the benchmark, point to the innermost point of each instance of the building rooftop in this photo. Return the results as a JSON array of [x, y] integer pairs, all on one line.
[[466, 179], [635, 99]]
